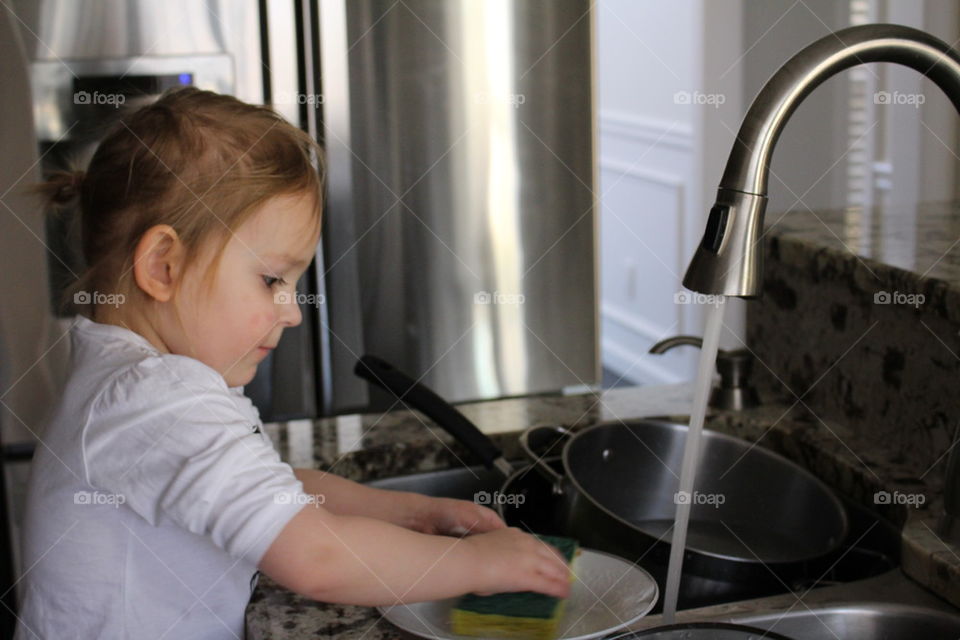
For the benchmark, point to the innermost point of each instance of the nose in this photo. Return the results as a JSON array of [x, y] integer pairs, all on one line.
[[290, 315]]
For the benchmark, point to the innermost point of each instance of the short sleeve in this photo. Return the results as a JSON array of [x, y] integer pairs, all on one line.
[[168, 437]]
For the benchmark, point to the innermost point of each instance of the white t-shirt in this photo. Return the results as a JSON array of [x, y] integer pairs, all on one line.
[[153, 496]]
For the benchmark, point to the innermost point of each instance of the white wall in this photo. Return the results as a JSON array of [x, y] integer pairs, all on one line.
[[646, 56], [668, 76], [919, 144], [806, 164], [661, 159]]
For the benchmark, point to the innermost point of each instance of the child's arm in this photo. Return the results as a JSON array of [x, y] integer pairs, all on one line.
[[410, 510], [357, 560]]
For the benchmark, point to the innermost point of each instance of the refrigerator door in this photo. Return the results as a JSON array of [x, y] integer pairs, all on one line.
[[33, 349], [467, 129]]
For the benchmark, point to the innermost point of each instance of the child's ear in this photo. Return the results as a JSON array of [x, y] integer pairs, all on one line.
[[158, 262]]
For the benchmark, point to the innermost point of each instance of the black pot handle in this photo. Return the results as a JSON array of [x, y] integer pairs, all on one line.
[[418, 396]]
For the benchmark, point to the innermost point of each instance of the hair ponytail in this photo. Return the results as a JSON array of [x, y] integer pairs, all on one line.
[[62, 188]]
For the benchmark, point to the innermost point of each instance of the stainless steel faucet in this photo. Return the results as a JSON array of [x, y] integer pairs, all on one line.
[[729, 260]]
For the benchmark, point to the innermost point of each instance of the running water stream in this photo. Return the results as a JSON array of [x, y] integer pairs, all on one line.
[[691, 452]]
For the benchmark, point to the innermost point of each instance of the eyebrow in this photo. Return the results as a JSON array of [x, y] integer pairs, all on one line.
[[290, 260]]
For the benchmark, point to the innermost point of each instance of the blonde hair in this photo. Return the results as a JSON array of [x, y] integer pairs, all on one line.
[[198, 161]]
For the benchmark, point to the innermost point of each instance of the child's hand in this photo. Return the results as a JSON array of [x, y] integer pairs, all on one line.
[[446, 516], [511, 560]]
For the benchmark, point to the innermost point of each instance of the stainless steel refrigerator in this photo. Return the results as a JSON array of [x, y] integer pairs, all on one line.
[[460, 236], [460, 225]]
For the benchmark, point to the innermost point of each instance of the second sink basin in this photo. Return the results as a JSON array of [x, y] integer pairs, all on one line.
[[461, 483], [860, 621]]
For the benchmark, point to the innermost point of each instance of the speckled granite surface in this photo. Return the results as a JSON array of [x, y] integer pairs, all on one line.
[[406, 443], [874, 344], [375, 446], [910, 249], [860, 325], [858, 389]]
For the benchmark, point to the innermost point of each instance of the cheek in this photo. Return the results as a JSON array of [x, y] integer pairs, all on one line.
[[262, 320], [253, 309]]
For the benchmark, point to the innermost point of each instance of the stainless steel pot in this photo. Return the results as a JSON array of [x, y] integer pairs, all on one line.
[[756, 517]]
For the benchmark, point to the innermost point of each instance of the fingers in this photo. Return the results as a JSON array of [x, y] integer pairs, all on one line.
[[552, 568], [549, 551], [490, 521], [475, 518], [559, 569], [517, 561], [536, 566], [555, 582]]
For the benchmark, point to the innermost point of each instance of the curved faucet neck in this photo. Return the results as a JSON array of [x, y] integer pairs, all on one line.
[[729, 260], [748, 166]]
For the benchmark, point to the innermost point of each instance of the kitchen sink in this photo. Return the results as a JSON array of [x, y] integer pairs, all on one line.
[[872, 546], [460, 483], [867, 570], [863, 621]]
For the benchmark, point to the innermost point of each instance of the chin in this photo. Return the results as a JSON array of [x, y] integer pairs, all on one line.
[[241, 380]]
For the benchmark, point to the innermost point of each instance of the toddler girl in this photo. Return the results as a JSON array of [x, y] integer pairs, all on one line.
[[154, 495]]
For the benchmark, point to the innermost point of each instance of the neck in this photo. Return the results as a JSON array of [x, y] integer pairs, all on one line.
[[130, 318]]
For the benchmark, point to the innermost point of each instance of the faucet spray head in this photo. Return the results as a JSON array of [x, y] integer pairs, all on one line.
[[729, 259]]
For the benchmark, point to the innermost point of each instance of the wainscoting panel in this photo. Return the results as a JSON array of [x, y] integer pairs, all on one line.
[[645, 169]]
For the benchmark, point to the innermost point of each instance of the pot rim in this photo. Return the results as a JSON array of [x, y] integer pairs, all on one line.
[[708, 433]]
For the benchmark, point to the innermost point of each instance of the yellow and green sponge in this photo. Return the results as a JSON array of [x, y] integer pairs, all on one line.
[[522, 615]]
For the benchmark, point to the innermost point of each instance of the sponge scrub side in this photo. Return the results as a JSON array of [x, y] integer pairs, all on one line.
[[521, 615]]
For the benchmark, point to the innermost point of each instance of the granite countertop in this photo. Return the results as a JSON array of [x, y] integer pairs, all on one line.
[[372, 446], [910, 249], [870, 299]]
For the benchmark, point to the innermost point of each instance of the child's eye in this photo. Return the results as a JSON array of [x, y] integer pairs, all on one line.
[[270, 281]]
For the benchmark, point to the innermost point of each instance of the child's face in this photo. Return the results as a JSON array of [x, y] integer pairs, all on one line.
[[232, 326]]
